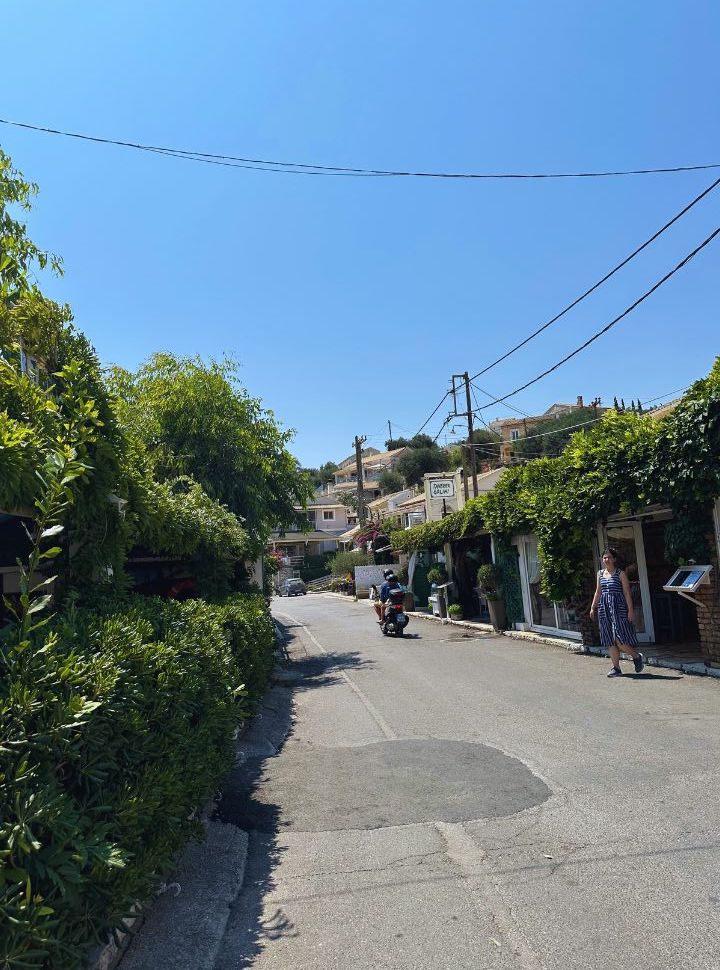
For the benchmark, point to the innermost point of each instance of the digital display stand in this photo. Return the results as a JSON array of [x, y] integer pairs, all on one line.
[[687, 580]]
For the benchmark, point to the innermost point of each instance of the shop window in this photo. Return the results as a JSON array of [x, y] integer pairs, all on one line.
[[545, 612]]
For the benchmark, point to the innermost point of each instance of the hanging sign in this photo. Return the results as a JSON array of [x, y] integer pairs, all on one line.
[[442, 488]]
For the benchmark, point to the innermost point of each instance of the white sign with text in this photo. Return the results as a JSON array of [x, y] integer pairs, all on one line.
[[442, 488]]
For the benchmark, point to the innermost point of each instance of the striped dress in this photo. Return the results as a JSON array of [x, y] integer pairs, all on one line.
[[612, 612]]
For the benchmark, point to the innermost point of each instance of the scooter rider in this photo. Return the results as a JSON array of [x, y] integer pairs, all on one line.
[[391, 582]]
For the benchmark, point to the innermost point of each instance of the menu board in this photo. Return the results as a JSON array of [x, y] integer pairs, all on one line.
[[693, 576]]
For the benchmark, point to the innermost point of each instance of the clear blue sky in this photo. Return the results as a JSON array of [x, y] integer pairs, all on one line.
[[349, 301]]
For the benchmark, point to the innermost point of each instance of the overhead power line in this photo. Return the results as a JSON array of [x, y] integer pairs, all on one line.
[[444, 398], [312, 168], [493, 400], [683, 262], [600, 282]]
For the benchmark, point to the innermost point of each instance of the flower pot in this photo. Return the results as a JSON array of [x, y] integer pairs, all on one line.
[[498, 616]]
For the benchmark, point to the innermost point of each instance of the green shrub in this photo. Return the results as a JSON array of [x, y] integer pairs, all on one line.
[[455, 611], [489, 579], [115, 727], [344, 563], [437, 575]]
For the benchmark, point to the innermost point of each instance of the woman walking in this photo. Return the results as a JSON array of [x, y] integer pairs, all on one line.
[[616, 613]]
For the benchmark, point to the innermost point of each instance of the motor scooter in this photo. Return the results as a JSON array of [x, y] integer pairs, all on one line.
[[396, 619]]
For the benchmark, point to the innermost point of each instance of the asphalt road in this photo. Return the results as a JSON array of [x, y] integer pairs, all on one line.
[[453, 801]]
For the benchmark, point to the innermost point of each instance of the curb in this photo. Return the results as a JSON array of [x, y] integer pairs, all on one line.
[[572, 646], [158, 918], [695, 668]]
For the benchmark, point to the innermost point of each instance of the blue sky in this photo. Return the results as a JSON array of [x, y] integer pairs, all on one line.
[[351, 301]]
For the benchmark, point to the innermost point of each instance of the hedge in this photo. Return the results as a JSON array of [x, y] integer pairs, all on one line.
[[116, 725]]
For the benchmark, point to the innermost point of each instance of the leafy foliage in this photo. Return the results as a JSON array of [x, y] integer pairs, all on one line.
[[18, 254], [181, 519], [627, 461], [391, 481], [116, 725], [194, 419], [417, 461], [322, 475], [344, 563], [548, 438], [417, 441], [116, 722]]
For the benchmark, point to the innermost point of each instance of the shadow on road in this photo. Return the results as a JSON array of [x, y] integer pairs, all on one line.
[[651, 678], [251, 925]]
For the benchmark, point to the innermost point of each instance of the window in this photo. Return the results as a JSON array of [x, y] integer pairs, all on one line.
[[514, 435], [328, 514], [311, 515], [545, 614]]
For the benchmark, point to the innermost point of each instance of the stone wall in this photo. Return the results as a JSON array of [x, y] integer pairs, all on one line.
[[709, 613]]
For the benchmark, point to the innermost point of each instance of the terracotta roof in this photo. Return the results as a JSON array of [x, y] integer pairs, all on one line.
[[664, 409], [415, 500], [376, 502], [293, 537], [324, 500], [383, 455], [349, 534]]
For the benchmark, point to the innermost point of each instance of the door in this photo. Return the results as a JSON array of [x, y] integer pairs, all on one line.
[[627, 538], [546, 616]]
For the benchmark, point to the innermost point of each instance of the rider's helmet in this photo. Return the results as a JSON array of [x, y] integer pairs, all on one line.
[[388, 574]]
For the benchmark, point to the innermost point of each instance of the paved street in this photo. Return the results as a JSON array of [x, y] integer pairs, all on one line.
[[461, 801]]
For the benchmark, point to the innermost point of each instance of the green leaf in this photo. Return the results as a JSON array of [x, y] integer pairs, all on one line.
[[40, 604], [51, 553]]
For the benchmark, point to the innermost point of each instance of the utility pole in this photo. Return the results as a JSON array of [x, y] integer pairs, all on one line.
[[389, 432], [358, 443], [471, 443], [463, 450]]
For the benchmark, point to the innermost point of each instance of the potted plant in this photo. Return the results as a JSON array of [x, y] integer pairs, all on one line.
[[455, 611], [490, 584], [437, 575]]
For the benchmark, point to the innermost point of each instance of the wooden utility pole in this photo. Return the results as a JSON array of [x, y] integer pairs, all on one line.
[[471, 443], [358, 443], [389, 432], [463, 451]]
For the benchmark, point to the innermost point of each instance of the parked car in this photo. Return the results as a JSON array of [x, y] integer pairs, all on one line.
[[293, 587]]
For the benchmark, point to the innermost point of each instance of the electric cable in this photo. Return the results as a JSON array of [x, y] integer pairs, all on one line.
[[683, 262], [493, 400], [311, 168], [445, 396], [600, 282]]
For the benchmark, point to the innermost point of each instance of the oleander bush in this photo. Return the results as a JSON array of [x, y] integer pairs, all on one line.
[[116, 724]]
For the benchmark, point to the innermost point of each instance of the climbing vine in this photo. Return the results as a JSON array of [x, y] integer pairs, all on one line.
[[624, 463]]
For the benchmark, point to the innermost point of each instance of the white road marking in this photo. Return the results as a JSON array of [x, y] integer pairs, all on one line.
[[374, 713]]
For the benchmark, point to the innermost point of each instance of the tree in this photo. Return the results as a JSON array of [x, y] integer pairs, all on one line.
[[417, 461], [488, 452], [548, 438], [18, 254], [195, 420], [417, 441], [349, 500], [322, 475], [390, 481]]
